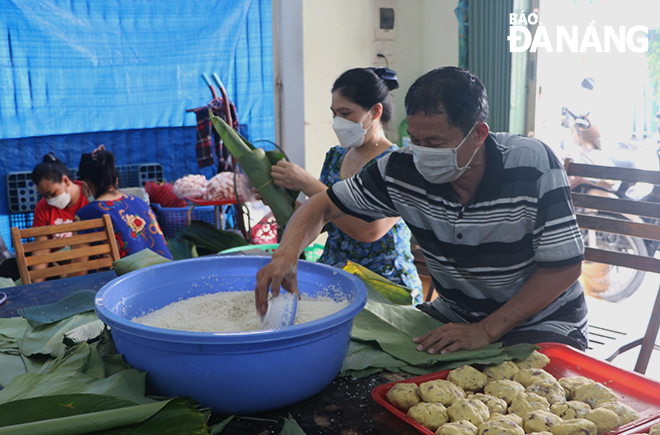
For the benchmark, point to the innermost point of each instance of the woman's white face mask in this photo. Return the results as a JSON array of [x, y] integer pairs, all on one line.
[[350, 134], [60, 201], [440, 165]]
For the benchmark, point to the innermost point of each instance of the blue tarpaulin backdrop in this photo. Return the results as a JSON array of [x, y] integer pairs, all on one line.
[[77, 73]]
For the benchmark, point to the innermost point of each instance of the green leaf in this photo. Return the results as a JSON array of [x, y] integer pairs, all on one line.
[[139, 260], [291, 427], [84, 333], [90, 414], [207, 236], [256, 164], [47, 339], [394, 293], [217, 428], [181, 248], [75, 303], [363, 355], [11, 366]]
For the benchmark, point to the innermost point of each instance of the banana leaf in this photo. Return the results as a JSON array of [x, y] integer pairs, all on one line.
[[139, 260], [75, 303], [47, 339], [392, 292], [256, 163], [182, 249], [92, 414], [291, 427], [205, 235]]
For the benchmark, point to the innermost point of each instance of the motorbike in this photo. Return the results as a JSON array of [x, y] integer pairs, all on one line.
[[610, 283]]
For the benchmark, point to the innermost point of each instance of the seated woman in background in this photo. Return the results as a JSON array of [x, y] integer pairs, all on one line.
[[61, 198], [135, 225]]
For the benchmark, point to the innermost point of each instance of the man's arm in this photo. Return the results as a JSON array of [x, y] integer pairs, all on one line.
[[303, 228], [546, 285]]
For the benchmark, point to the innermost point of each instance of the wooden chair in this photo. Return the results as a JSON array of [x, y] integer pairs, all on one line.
[[89, 245], [606, 214]]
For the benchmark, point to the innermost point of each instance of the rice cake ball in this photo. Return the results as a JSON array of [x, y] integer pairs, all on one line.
[[605, 419], [548, 388], [468, 378], [429, 415], [572, 382], [594, 394], [536, 360], [494, 404], [503, 370], [441, 391], [577, 426], [500, 426], [404, 395], [528, 402], [504, 389], [528, 376], [472, 410], [626, 413], [571, 409], [655, 429], [541, 433], [540, 421], [513, 417], [462, 427]]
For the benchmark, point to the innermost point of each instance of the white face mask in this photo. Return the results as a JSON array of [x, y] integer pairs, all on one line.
[[60, 201], [440, 165], [350, 134]]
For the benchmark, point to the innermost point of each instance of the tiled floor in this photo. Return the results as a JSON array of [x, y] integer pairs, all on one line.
[[629, 316]]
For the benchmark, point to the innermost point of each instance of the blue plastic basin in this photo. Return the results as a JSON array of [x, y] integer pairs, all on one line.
[[243, 372]]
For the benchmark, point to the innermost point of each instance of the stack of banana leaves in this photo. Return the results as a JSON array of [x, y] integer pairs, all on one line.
[[383, 332], [60, 374]]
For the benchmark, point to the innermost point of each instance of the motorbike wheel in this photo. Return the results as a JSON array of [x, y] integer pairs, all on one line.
[[613, 283]]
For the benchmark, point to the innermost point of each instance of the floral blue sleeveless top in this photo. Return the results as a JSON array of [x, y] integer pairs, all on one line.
[[389, 256]]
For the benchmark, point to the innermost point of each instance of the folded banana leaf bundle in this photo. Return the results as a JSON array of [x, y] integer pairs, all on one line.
[[256, 164]]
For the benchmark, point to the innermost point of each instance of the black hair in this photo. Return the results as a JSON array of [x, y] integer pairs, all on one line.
[[99, 170], [51, 168], [368, 87], [456, 92]]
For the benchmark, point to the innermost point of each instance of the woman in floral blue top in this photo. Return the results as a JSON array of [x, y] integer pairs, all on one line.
[[361, 106], [135, 225]]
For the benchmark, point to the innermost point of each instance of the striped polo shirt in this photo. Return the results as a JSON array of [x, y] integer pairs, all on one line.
[[480, 254]]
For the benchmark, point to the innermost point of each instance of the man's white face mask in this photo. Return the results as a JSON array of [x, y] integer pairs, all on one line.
[[350, 134], [440, 165]]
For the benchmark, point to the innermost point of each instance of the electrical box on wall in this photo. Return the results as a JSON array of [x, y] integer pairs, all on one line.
[[385, 19]]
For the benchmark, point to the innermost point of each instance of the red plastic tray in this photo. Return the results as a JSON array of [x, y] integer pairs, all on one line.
[[197, 201], [635, 390]]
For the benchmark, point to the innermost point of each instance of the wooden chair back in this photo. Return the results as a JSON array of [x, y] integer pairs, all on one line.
[[98, 247], [620, 216]]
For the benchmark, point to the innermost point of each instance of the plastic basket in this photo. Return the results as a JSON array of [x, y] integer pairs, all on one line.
[[312, 252], [173, 219]]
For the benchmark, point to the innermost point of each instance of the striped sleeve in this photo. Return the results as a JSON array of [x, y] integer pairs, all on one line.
[[365, 195], [557, 239]]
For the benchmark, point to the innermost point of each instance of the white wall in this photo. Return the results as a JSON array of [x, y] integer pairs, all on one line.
[[338, 35]]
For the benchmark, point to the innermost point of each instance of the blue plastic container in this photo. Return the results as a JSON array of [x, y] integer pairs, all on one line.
[[242, 372]]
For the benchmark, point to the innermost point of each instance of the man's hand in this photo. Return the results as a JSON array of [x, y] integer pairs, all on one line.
[[280, 272], [453, 336]]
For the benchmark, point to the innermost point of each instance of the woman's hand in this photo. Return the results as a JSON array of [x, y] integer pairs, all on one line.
[[292, 176]]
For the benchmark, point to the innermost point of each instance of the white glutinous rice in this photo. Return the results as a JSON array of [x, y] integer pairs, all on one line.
[[230, 312]]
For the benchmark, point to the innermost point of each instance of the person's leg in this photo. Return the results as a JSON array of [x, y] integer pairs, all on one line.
[[9, 269]]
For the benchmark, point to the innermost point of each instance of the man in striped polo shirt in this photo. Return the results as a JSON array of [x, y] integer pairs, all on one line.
[[491, 212]]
